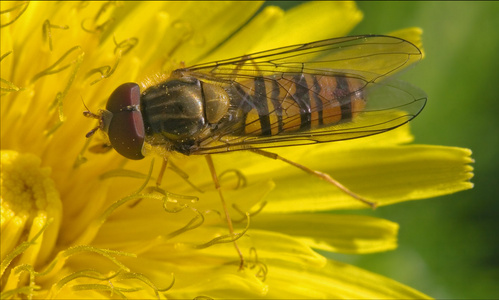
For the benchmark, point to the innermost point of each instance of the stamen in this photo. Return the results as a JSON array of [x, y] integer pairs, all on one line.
[[21, 7], [251, 214], [47, 32], [126, 45]]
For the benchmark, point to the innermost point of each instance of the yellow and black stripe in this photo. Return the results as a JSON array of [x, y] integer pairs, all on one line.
[[297, 102]]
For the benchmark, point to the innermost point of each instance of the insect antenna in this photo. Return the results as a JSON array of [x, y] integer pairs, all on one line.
[[89, 114]]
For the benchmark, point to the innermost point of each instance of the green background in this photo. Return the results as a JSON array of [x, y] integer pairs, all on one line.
[[448, 246]]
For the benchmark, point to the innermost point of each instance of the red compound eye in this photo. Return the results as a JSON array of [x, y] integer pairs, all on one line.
[[126, 127]]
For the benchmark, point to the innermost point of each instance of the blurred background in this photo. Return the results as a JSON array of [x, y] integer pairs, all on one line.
[[448, 246]]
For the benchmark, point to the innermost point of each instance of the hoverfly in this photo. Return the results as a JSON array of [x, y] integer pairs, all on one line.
[[329, 90]]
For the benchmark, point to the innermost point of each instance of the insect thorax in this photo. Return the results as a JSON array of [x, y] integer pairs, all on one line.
[[179, 112]]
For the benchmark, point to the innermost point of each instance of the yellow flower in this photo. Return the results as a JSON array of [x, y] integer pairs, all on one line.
[[78, 224]]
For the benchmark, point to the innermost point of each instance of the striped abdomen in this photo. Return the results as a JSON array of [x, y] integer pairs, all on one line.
[[281, 104]]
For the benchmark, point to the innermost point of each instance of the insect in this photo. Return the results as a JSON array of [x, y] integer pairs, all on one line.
[[329, 90]]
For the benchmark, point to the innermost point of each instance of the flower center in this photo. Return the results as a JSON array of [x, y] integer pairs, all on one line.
[[31, 210]]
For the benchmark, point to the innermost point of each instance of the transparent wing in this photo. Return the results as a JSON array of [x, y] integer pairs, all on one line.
[[370, 60], [370, 57]]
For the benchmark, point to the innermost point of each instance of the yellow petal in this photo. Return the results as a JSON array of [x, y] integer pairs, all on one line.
[[245, 39], [386, 175], [181, 32], [146, 222], [337, 233], [412, 35], [335, 281], [311, 21]]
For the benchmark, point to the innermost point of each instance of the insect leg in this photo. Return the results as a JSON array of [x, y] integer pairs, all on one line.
[[319, 174], [244, 60], [227, 217], [162, 171], [183, 175]]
